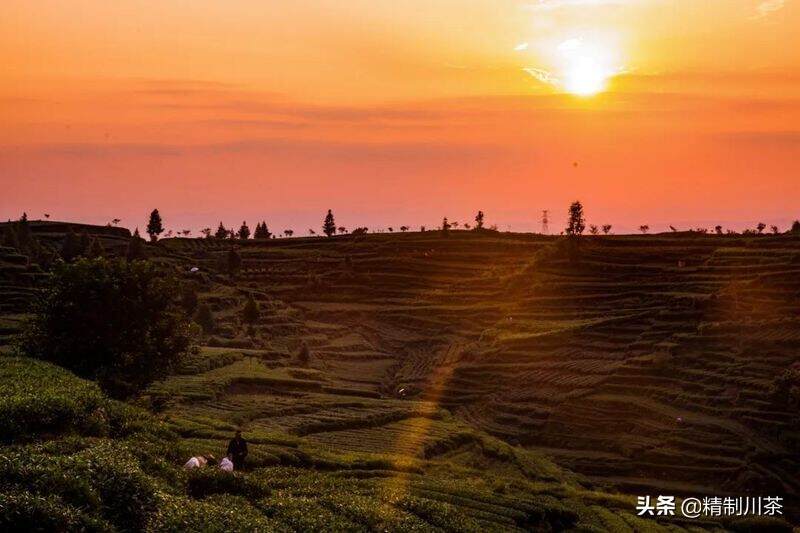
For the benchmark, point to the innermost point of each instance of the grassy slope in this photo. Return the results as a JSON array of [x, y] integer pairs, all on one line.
[[103, 465], [495, 339]]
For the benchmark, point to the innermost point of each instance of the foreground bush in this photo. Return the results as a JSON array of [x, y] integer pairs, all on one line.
[[112, 321], [39, 398]]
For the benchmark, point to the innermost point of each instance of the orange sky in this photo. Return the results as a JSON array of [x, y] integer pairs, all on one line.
[[397, 113]]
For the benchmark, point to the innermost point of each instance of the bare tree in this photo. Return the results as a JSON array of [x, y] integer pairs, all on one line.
[[644, 228], [606, 229], [594, 230], [774, 230]]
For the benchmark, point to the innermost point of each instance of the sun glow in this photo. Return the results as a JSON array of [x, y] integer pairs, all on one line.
[[586, 77], [586, 66]]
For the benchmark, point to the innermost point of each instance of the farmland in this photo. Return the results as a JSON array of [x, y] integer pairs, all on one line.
[[478, 380]]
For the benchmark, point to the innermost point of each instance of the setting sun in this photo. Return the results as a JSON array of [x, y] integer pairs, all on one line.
[[586, 77]]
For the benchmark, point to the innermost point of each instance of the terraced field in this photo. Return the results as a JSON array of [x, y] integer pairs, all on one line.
[[644, 363], [638, 364]]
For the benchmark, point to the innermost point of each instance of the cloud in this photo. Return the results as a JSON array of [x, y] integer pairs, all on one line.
[[544, 76], [768, 7]]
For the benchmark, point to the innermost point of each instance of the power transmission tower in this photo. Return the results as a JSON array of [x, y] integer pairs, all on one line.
[[545, 221]]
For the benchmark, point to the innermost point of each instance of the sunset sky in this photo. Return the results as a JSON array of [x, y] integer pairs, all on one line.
[[682, 112]]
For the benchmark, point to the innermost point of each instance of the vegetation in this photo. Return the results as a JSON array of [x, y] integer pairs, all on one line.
[[112, 321], [154, 225], [244, 232], [576, 224], [329, 226]]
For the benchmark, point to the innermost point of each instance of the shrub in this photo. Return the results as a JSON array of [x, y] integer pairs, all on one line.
[[112, 321], [219, 514], [204, 482], [23, 511], [39, 398]]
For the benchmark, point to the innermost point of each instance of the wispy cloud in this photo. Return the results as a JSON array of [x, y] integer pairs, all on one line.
[[768, 7], [544, 76]]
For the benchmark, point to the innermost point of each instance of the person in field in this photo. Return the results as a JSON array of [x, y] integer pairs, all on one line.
[[226, 464], [199, 461], [237, 450]]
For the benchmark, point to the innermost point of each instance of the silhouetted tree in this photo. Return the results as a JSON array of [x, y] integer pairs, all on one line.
[[454, 224], [234, 262], [644, 228], [135, 247], [761, 227], [404, 228], [391, 229], [329, 226], [774, 230], [206, 232], [251, 311], [479, 220], [115, 222], [576, 223], [594, 230], [342, 230], [96, 249], [244, 232], [718, 229], [205, 318], [120, 317], [154, 225], [311, 231], [607, 229], [445, 226], [795, 226], [359, 231], [71, 247], [186, 232], [222, 232], [262, 232], [422, 229]]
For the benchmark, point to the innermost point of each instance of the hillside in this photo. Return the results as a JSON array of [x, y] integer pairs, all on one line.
[[500, 377]]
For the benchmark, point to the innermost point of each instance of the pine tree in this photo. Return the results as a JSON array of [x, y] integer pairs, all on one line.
[[576, 223], [479, 220], [70, 249], [329, 226], [96, 249], [135, 247], [251, 310], [261, 231], [244, 232], [154, 226], [221, 233], [205, 318]]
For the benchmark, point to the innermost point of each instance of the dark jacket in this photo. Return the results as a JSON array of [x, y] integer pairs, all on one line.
[[237, 447]]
